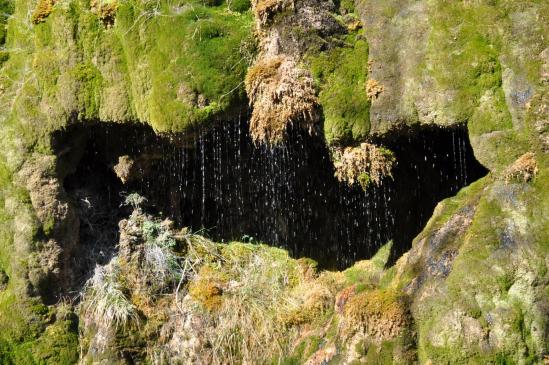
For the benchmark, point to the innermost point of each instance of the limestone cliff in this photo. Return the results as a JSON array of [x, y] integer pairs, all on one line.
[[362, 78]]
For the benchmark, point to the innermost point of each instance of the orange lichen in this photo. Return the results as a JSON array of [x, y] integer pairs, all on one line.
[[354, 25], [106, 10], [343, 297], [207, 289], [265, 10]]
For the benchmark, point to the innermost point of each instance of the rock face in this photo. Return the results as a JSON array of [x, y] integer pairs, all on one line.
[[474, 288]]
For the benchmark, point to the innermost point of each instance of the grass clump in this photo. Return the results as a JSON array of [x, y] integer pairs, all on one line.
[[104, 298], [281, 94], [365, 164], [247, 323]]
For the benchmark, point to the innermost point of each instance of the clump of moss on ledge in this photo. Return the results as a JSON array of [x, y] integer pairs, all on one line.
[[341, 75], [176, 66]]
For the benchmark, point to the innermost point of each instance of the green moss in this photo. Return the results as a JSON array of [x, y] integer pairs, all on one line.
[[491, 115], [59, 344], [89, 80], [6, 9], [380, 354], [364, 180], [341, 75], [302, 351], [209, 66], [239, 5], [366, 274], [464, 56], [172, 65]]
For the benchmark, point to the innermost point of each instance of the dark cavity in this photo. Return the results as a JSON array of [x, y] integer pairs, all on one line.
[[224, 186]]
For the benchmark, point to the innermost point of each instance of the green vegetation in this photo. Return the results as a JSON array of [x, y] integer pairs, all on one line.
[[477, 267], [105, 299], [465, 55], [341, 75], [475, 53], [174, 65]]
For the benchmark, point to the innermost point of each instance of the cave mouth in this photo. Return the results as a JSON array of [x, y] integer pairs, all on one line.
[[224, 186]]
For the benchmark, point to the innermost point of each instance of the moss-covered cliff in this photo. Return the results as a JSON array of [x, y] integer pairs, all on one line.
[[473, 289]]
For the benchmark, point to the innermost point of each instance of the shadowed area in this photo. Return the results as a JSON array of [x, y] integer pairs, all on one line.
[[223, 184]]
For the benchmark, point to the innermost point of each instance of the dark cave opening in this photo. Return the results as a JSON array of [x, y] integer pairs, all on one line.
[[230, 189]]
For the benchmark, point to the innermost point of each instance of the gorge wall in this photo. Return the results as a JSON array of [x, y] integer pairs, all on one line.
[[401, 142]]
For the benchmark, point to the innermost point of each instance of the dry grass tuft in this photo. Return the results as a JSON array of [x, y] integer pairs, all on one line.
[[265, 10], [524, 169], [42, 11], [245, 326], [281, 94], [373, 89], [104, 299], [310, 302], [106, 10], [364, 164]]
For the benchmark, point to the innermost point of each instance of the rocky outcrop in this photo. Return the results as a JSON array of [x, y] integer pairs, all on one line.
[[473, 289]]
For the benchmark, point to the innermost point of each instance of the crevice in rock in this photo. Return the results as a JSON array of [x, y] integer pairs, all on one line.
[[230, 189]]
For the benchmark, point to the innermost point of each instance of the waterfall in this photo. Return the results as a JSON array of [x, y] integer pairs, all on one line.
[[286, 195], [221, 184]]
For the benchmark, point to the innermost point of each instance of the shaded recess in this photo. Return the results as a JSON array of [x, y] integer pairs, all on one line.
[[230, 189]]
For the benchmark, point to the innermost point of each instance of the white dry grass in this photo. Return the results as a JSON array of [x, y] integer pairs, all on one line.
[[104, 299]]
